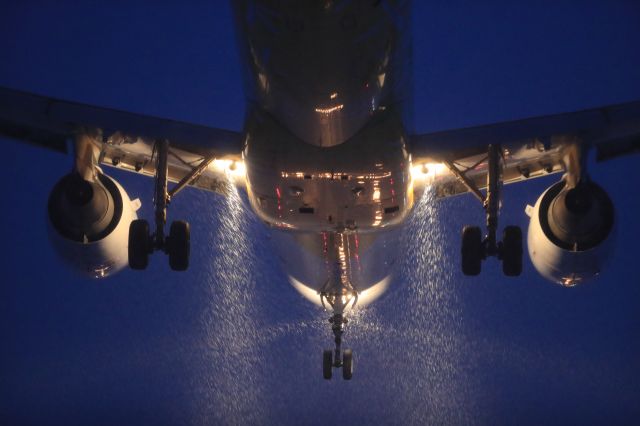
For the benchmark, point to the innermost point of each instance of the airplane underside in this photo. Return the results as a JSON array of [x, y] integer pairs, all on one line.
[[329, 163]]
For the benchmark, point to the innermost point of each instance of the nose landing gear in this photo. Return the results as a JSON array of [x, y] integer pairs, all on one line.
[[338, 358]]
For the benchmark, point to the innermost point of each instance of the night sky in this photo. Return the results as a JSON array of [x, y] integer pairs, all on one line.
[[230, 341]]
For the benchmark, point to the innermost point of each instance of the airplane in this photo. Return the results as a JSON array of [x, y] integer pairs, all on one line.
[[327, 163]]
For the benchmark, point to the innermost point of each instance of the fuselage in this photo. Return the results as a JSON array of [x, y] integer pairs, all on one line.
[[328, 94]]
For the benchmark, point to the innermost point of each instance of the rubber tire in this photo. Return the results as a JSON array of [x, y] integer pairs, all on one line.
[[347, 364], [139, 244], [327, 364], [471, 250], [178, 245], [512, 251]]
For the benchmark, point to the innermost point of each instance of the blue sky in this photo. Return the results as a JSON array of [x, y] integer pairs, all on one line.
[[230, 341]]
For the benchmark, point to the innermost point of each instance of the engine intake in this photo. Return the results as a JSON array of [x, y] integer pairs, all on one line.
[[570, 232], [85, 211], [89, 223]]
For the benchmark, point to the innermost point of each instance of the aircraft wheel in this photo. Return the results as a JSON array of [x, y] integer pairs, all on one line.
[[347, 364], [178, 245], [512, 251], [139, 244], [471, 250], [327, 363]]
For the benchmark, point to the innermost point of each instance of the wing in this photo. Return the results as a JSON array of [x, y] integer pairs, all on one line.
[[533, 147], [125, 139]]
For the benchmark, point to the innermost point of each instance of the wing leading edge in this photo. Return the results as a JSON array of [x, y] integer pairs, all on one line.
[[533, 147], [125, 139]]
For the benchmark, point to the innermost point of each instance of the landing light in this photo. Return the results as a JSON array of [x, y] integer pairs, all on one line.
[[364, 297], [232, 168], [428, 171]]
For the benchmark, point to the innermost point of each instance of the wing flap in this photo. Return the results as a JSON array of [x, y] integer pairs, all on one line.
[[125, 139], [26, 110], [521, 161], [533, 147], [137, 156]]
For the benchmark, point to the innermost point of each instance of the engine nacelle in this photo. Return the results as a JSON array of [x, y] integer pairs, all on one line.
[[571, 232], [89, 223]]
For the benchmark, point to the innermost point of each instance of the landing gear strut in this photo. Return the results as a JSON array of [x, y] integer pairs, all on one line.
[[338, 358], [474, 248], [142, 243]]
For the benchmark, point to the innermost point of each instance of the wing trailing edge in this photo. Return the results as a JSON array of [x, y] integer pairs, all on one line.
[[532, 147], [125, 139]]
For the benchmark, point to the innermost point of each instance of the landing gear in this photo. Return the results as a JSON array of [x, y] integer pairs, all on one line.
[[474, 248], [347, 364], [178, 245], [142, 243], [327, 363], [511, 250], [339, 298], [337, 358]]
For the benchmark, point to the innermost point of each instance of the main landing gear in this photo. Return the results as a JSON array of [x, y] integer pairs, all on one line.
[[475, 248], [142, 243], [338, 358]]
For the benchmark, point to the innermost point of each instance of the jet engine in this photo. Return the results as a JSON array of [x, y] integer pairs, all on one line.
[[571, 232], [89, 223]]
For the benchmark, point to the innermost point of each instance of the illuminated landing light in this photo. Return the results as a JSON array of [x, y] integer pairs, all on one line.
[[428, 171], [364, 297], [329, 110], [235, 169], [238, 169], [381, 78], [102, 270], [333, 95], [571, 281]]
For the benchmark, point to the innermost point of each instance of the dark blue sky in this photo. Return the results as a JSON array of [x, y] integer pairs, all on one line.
[[230, 341]]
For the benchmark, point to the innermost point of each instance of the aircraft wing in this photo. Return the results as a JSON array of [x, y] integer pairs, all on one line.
[[533, 147], [125, 139]]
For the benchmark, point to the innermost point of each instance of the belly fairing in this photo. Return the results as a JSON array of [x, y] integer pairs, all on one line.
[[364, 184], [331, 262]]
